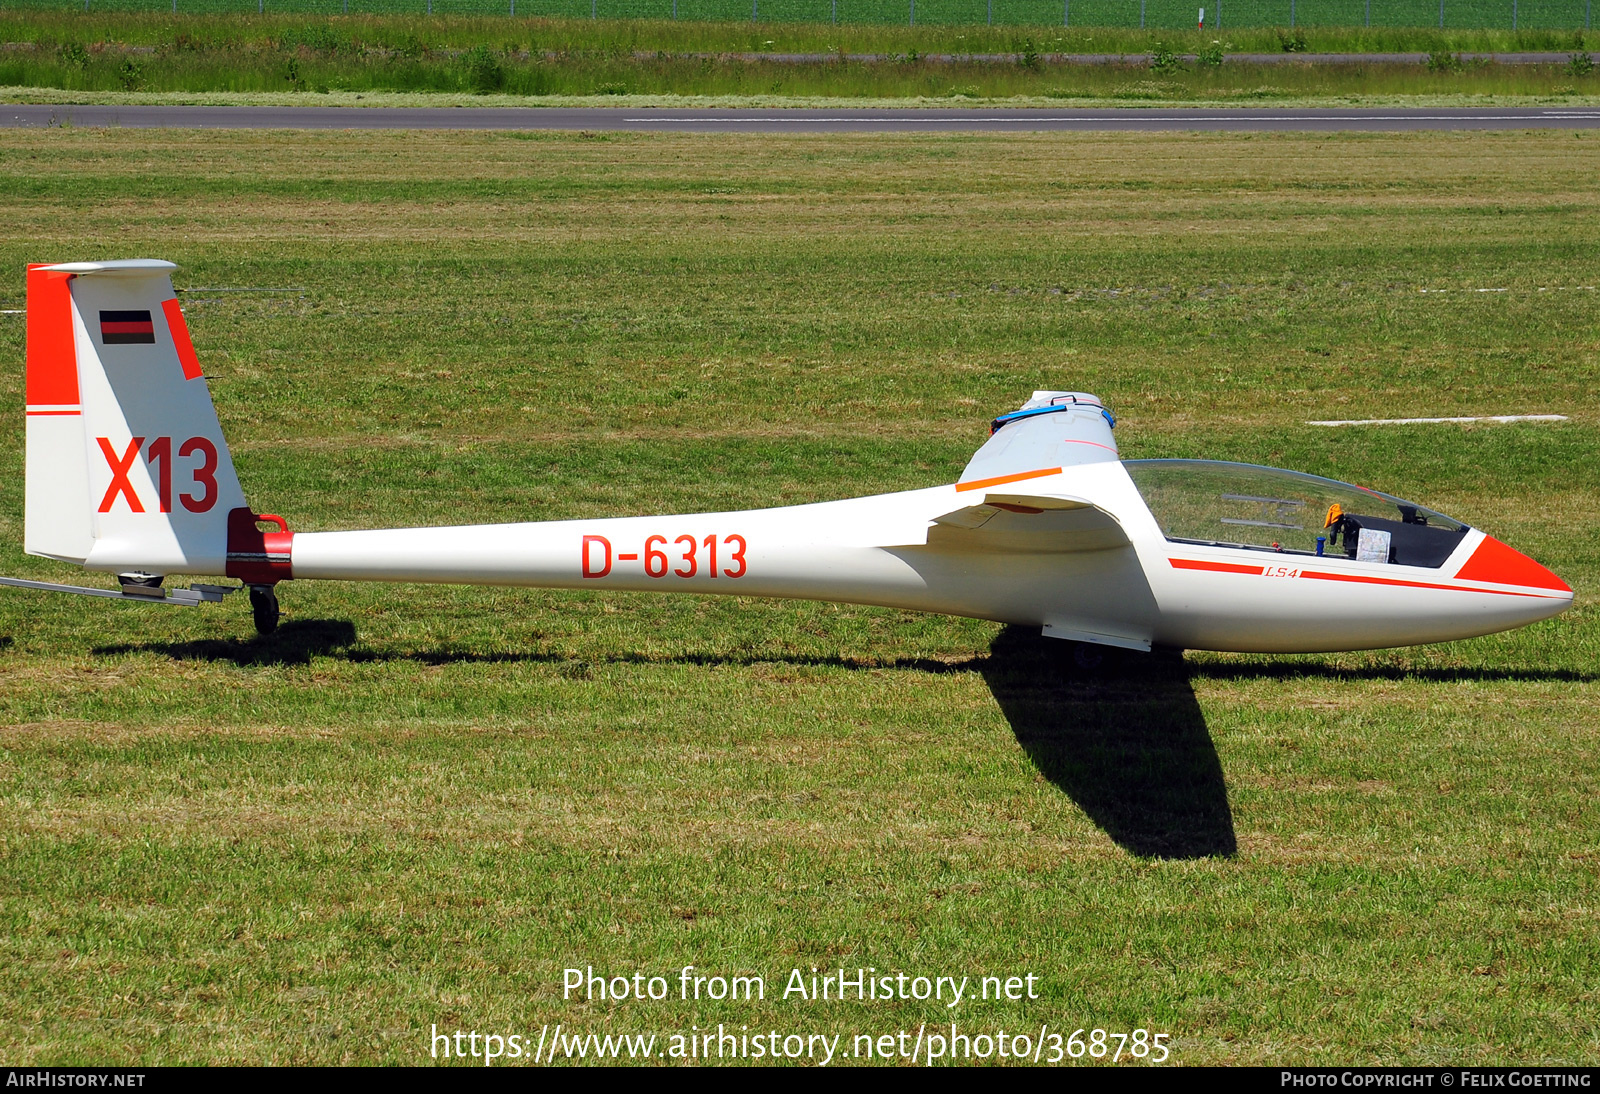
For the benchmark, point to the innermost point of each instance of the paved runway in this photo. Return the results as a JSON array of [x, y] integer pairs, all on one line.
[[827, 120]]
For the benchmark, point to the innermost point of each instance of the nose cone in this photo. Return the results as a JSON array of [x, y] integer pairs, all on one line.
[[1494, 562]]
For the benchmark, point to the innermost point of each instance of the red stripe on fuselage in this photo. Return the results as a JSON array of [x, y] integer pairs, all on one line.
[[1219, 567], [1365, 580], [1359, 579]]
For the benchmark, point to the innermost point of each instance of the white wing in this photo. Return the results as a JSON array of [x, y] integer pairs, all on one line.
[[1052, 430], [1032, 523]]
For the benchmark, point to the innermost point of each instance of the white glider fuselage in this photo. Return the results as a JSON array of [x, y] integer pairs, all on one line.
[[128, 473], [886, 549], [890, 550]]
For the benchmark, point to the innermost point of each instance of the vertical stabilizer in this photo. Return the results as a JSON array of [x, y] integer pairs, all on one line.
[[56, 524], [127, 467]]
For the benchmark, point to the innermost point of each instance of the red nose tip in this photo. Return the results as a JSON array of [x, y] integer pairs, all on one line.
[[1494, 561]]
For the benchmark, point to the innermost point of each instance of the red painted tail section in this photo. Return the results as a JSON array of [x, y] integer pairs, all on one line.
[[180, 338], [52, 358], [256, 557]]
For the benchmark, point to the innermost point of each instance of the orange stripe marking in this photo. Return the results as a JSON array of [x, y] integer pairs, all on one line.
[[49, 413], [1001, 480]]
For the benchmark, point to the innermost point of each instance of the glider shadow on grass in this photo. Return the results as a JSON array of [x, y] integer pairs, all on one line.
[[297, 642], [1127, 743], [294, 643]]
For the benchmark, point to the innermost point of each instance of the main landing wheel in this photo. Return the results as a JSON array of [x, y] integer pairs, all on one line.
[[264, 606]]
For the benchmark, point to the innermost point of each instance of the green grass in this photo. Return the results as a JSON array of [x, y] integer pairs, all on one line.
[[76, 57], [405, 33], [416, 806], [1162, 14], [99, 58]]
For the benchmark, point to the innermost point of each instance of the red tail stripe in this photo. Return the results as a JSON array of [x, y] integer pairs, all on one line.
[[52, 358], [180, 339]]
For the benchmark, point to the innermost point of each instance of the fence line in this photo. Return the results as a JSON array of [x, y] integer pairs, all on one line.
[[1147, 14]]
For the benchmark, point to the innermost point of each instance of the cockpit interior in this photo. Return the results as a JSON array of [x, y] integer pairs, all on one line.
[[1254, 508]]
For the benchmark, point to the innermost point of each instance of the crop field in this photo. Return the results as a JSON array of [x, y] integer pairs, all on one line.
[[416, 806]]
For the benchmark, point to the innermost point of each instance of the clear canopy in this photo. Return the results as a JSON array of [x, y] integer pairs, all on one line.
[[1267, 508]]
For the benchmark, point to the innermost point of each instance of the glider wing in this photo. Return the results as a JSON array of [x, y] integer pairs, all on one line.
[[1052, 431], [1035, 523]]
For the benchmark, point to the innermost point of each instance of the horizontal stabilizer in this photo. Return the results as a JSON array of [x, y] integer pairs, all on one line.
[[178, 598]]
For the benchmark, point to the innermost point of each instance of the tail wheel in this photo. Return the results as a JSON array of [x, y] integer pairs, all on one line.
[[264, 606]]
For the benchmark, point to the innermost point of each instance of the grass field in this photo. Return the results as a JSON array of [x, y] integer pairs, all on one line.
[[74, 58], [417, 806], [1152, 14]]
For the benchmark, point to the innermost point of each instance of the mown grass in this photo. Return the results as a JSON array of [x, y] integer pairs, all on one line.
[[461, 32], [538, 59], [1133, 14], [416, 806]]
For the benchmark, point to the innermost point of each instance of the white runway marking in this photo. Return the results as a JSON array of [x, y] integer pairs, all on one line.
[[1433, 421], [1541, 288]]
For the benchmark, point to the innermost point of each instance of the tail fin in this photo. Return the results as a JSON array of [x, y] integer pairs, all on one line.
[[127, 467]]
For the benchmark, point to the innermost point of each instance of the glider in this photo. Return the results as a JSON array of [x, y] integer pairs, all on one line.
[[128, 473]]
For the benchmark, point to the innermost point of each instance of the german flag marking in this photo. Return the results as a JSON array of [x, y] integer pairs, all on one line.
[[127, 328]]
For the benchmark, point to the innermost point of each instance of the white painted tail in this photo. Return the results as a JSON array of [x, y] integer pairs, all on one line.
[[127, 468]]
